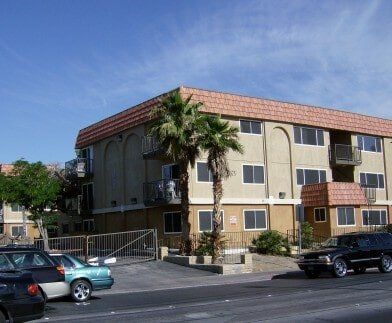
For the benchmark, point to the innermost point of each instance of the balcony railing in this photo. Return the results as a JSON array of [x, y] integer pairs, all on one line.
[[370, 193], [164, 191], [345, 155], [150, 147], [79, 168]]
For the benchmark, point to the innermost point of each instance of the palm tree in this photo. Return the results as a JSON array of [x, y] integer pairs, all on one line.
[[218, 138], [176, 129]]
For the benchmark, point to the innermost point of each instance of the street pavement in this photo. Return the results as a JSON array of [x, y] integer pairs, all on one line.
[[287, 297]]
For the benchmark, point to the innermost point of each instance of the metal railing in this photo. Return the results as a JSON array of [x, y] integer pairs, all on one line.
[[163, 191], [340, 154], [150, 146], [308, 241], [370, 193], [370, 228], [79, 168]]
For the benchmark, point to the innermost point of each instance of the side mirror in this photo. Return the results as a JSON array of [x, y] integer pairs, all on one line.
[[355, 245]]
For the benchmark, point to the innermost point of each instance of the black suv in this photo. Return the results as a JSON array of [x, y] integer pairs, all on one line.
[[356, 251]]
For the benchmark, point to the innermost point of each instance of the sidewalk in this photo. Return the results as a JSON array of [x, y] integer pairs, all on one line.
[[160, 275]]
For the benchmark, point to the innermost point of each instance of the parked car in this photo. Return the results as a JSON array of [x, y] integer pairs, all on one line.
[[84, 278], [19, 297], [46, 271], [356, 251]]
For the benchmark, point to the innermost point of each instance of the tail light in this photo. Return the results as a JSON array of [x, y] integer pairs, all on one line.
[[60, 270], [32, 289]]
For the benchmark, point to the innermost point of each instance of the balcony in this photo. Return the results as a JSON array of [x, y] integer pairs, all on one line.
[[79, 168], [345, 155], [161, 192], [370, 193], [151, 147]]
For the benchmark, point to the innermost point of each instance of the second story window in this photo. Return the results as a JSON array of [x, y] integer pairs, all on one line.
[[253, 174], [88, 196], [369, 143], [372, 180], [311, 176], [250, 127], [308, 136], [203, 174], [16, 207]]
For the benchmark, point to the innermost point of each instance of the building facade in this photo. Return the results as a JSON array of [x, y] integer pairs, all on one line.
[[128, 184]]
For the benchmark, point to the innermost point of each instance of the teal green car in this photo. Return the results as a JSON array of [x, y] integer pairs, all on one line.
[[84, 278]]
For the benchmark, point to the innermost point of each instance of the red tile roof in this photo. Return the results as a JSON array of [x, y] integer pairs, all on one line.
[[331, 194], [241, 106]]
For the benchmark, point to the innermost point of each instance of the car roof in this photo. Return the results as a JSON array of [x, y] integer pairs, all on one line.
[[11, 248], [361, 233]]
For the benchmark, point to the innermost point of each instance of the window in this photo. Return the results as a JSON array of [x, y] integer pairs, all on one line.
[[372, 180], [203, 174], [368, 143], [78, 226], [374, 217], [17, 230], [308, 136], [253, 174], [65, 228], [88, 196], [250, 127], [320, 215], [88, 225], [4, 263], [205, 221], [172, 222], [171, 171], [255, 220], [16, 207], [65, 261], [29, 259], [346, 216], [311, 176]]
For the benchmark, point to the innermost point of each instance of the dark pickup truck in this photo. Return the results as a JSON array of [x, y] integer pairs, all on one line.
[[357, 251]]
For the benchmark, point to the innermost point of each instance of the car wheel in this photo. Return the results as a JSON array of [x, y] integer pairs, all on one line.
[[80, 290], [339, 268], [312, 273], [359, 270], [385, 264]]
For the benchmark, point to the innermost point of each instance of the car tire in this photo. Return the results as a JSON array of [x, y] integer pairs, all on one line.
[[312, 273], [360, 270], [81, 290], [339, 268], [385, 264]]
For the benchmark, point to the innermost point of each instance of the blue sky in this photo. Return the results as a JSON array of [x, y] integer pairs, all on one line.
[[67, 64]]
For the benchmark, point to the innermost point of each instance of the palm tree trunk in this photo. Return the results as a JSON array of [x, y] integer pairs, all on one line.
[[217, 190], [186, 245]]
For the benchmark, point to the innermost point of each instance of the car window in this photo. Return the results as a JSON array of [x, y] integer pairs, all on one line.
[[362, 241], [66, 262], [373, 240], [4, 263], [29, 259], [386, 237]]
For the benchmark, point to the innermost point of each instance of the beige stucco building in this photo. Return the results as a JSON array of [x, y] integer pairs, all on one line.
[[127, 184]]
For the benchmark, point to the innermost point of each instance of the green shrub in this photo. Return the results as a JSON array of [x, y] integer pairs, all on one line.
[[206, 244], [272, 243], [307, 235]]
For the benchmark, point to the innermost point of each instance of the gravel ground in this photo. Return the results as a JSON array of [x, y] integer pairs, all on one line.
[[268, 263]]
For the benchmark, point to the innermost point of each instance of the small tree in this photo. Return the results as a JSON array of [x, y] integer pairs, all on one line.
[[35, 188]]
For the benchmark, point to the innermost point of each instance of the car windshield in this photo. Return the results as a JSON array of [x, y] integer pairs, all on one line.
[[337, 242]]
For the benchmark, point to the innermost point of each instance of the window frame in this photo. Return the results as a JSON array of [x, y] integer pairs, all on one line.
[[318, 169], [17, 226], [308, 145], [254, 210], [362, 149], [198, 220], [250, 133], [19, 208], [164, 222], [197, 173], [379, 210], [242, 168], [378, 182], [337, 217], [325, 214], [91, 221]]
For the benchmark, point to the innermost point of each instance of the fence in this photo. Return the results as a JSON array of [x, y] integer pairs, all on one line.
[[371, 228]]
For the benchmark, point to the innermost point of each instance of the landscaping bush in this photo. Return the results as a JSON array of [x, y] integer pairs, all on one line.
[[206, 244], [272, 243], [307, 235]]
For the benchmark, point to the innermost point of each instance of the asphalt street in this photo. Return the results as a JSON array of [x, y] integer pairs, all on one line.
[[286, 298]]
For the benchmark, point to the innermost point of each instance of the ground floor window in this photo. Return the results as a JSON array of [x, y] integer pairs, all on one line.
[[65, 228], [346, 216], [320, 214], [88, 225], [206, 221], [172, 222], [374, 217], [255, 220], [17, 230], [78, 226]]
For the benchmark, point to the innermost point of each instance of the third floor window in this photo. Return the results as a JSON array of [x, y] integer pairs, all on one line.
[[308, 136], [368, 143], [311, 176]]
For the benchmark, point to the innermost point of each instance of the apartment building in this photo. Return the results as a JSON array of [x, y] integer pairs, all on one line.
[[337, 163], [11, 217]]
